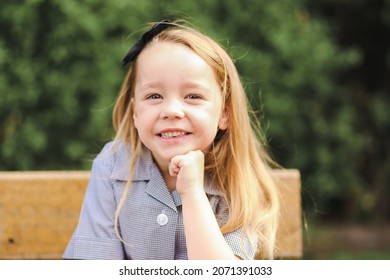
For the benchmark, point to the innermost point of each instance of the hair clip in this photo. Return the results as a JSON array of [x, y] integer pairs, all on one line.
[[146, 38]]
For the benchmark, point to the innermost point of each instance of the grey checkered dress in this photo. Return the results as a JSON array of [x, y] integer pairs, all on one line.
[[151, 221]]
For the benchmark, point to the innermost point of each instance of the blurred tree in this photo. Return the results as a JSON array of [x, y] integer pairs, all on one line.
[[59, 75], [364, 26], [318, 85], [289, 62]]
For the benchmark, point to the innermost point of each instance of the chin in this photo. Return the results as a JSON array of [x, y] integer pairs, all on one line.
[[170, 154]]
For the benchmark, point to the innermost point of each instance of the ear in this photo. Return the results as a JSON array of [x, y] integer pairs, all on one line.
[[135, 115], [223, 119]]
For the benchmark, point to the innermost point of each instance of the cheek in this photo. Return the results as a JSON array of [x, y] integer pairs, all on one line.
[[144, 121], [139, 121], [207, 121], [140, 117]]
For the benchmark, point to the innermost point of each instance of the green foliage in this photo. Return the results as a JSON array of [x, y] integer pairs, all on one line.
[[60, 71], [58, 81]]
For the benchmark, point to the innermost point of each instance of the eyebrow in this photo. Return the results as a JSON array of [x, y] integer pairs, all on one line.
[[196, 85], [149, 85], [188, 84]]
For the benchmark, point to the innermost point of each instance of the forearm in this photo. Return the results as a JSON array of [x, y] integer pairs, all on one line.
[[203, 235]]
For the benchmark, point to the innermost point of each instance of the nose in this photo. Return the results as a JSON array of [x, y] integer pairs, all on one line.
[[172, 109]]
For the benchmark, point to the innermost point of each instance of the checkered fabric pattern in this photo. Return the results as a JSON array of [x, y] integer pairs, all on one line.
[[151, 221]]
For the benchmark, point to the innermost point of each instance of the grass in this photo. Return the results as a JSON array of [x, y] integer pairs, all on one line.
[[342, 242]]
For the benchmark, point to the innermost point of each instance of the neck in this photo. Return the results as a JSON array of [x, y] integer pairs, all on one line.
[[169, 180]]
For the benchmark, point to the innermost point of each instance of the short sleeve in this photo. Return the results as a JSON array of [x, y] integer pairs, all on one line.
[[241, 246], [95, 237]]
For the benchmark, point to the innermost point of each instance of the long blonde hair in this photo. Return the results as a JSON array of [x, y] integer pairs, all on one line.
[[237, 164]]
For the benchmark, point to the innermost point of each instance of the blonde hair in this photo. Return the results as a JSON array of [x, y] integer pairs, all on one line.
[[245, 178]]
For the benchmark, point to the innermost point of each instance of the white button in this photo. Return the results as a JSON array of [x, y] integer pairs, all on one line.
[[162, 219]]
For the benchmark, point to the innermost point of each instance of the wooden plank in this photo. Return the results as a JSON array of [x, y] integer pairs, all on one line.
[[289, 235], [39, 211]]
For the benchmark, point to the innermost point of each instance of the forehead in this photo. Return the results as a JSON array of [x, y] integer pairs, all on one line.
[[173, 61]]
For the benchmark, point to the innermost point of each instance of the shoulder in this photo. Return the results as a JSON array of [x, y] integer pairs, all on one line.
[[113, 150], [114, 157], [218, 202]]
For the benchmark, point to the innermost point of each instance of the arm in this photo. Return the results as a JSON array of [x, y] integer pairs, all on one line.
[[203, 235]]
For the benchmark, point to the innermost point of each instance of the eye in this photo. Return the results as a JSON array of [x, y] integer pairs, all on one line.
[[194, 96], [153, 96]]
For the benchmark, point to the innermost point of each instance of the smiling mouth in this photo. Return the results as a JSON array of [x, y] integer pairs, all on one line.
[[173, 134]]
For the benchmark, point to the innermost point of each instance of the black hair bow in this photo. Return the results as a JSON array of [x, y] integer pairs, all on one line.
[[146, 38]]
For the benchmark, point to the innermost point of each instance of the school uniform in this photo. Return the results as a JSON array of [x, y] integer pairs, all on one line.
[[150, 222]]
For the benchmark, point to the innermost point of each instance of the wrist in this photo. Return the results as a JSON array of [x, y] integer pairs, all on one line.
[[193, 193]]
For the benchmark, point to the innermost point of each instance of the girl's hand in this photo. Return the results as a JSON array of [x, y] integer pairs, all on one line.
[[189, 170]]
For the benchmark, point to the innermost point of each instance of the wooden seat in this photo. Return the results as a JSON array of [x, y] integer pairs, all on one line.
[[39, 211]]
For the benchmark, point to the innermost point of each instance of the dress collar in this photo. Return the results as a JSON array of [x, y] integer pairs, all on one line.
[[145, 168]]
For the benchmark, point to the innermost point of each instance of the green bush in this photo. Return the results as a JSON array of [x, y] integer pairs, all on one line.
[[61, 70]]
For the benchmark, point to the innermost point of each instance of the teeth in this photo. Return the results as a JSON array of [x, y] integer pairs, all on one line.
[[172, 134]]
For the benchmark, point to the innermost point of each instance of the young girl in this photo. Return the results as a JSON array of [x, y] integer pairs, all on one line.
[[185, 177]]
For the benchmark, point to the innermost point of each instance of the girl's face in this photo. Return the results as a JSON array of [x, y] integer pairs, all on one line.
[[177, 102]]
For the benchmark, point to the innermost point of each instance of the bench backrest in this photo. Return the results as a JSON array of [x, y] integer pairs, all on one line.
[[39, 211]]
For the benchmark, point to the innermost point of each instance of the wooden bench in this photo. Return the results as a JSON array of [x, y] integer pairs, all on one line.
[[39, 211]]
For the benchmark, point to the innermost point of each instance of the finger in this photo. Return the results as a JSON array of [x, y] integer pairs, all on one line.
[[174, 172], [174, 166]]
